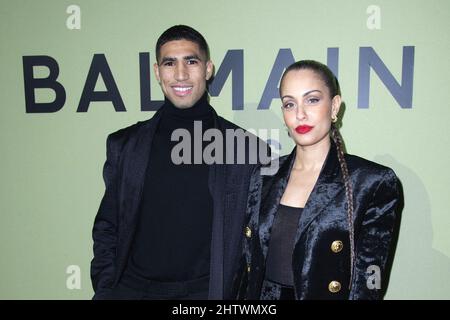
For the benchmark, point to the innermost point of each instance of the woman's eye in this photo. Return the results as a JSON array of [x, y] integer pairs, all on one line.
[[312, 100], [288, 105]]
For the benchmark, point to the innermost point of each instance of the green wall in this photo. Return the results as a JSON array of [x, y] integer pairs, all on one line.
[[51, 179]]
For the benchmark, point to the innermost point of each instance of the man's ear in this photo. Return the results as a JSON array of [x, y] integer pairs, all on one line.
[[156, 70], [209, 69]]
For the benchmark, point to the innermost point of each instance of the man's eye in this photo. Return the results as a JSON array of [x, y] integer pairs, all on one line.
[[168, 64], [192, 62]]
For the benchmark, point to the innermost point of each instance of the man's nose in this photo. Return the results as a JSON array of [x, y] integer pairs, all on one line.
[[181, 73]]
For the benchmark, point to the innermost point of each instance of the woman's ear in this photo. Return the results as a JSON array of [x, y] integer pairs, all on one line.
[[335, 105]]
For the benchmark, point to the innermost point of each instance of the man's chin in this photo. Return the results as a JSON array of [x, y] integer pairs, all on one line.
[[182, 104]]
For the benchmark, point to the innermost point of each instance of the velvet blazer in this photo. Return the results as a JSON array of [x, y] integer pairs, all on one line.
[[321, 270], [128, 152]]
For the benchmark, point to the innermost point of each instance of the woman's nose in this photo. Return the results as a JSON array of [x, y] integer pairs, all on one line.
[[300, 113]]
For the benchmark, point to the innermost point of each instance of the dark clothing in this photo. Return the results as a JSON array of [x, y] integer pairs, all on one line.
[[321, 255], [275, 291], [132, 287], [176, 205], [124, 172], [279, 257]]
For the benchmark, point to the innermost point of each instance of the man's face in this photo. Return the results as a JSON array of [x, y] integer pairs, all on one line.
[[182, 71]]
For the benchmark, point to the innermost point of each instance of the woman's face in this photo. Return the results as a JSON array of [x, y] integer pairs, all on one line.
[[307, 106]]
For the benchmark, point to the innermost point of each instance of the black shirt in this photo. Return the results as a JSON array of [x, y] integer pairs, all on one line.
[[173, 235], [281, 245]]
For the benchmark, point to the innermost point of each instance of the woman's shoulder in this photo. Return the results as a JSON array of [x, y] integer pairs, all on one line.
[[360, 165], [270, 170], [266, 175]]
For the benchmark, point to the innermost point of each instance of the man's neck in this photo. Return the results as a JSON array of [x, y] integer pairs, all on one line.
[[201, 109]]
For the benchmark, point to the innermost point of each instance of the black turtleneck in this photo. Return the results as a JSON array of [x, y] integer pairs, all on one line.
[[173, 236]]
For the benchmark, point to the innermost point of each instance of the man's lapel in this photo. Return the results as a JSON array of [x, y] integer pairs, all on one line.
[[134, 170], [217, 187]]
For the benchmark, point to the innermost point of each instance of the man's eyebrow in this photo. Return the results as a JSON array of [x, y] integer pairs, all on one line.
[[167, 59], [192, 57], [173, 59]]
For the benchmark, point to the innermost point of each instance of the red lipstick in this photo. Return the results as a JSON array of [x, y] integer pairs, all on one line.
[[303, 129]]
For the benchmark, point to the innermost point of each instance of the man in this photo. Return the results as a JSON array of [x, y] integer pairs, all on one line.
[[167, 230]]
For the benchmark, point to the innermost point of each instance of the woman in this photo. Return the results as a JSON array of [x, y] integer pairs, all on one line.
[[321, 227]]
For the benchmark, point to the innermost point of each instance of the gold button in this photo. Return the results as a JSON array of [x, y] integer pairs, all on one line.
[[337, 246], [248, 232], [334, 286], [248, 268]]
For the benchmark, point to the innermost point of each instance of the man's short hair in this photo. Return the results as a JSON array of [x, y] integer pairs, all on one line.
[[182, 32]]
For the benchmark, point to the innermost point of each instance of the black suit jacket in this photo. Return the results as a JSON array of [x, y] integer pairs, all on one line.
[[124, 173], [323, 221]]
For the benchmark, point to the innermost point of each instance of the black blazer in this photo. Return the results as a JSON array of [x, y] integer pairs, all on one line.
[[316, 263], [124, 172]]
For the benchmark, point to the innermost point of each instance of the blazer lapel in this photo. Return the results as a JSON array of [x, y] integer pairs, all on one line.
[[134, 168], [273, 189], [217, 188], [327, 187]]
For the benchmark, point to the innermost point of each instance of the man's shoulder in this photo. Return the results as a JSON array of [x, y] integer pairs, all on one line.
[[226, 124], [131, 130]]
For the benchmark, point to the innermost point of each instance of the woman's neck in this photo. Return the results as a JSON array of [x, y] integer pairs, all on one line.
[[311, 158]]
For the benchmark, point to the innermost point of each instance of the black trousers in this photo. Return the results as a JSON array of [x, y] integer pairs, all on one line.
[[136, 288]]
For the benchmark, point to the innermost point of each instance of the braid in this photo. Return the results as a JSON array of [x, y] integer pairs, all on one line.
[[348, 193]]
